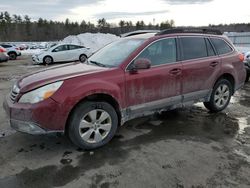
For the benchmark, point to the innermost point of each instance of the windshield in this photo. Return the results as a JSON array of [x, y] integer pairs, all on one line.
[[115, 53]]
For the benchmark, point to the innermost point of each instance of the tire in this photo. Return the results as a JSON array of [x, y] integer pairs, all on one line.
[[247, 78], [12, 55], [47, 60], [82, 58], [86, 130], [220, 96]]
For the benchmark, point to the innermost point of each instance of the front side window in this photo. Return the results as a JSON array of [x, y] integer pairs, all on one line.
[[60, 48], [193, 47], [221, 46], [160, 52]]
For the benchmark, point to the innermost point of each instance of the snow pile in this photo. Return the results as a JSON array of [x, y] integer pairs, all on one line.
[[94, 41], [31, 51]]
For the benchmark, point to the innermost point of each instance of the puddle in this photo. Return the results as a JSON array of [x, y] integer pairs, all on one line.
[[7, 133]]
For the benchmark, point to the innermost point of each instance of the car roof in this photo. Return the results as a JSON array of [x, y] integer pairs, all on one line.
[[179, 32]]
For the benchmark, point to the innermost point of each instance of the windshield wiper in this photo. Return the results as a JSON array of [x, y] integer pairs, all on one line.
[[97, 63]]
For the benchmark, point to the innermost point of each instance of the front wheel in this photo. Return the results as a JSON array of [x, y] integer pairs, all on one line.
[[220, 96], [47, 60], [12, 56], [93, 124]]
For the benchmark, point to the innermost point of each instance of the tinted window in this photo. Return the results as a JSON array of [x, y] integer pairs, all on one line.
[[161, 52], [60, 48], [221, 46], [74, 47], [6, 46], [210, 50], [193, 47]]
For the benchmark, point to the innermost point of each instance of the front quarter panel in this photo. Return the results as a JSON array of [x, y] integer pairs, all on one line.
[[76, 89]]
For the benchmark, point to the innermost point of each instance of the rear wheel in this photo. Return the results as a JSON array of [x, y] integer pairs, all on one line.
[[83, 58], [12, 56], [47, 60], [93, 124], [220, 96], [247, 78]]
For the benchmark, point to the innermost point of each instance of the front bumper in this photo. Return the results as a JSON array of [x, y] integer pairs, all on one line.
[[36, 60], [27, 127], [40, 118]]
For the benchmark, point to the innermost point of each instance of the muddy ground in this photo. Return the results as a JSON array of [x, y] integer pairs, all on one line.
[[183, 148]]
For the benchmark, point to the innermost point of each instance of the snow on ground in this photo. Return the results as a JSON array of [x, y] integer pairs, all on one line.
[[94, 41]]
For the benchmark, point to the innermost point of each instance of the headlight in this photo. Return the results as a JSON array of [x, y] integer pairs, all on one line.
[[41, 93]]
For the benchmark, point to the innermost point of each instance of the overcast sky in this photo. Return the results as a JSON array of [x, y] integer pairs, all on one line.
[[183, 12]]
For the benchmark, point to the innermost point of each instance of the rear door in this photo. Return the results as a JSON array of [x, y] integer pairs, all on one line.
[[200, 66], [74, 52], [158, 86]]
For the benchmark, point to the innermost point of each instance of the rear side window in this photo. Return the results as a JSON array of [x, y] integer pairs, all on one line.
[[193, 47], [74, 47], [221, 46]]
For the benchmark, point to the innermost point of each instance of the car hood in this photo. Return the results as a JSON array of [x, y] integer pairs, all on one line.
[[56, 73]]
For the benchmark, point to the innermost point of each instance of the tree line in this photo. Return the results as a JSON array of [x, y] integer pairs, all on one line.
[[22, 28]]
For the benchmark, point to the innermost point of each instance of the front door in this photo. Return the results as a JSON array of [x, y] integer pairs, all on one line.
[[158, 86]]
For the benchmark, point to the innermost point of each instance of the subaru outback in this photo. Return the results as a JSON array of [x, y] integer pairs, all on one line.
[[129, 78]]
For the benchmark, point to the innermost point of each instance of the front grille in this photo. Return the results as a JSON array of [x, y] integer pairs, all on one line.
[[13, 96]]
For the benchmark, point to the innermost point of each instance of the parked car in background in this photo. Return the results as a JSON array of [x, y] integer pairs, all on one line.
[[12, 51], [62, 53], [247, 64], [23, 47], [129, 78], [3, 55]]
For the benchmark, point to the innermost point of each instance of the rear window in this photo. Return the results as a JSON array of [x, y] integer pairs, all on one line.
[[193, 47], [6, 46], [221, 46]]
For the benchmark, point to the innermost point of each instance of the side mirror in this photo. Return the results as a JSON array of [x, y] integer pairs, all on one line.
[[141, 63]]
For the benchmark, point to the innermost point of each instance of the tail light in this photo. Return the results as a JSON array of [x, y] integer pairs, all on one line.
[[241, 57], [17, 48], [2, 50]]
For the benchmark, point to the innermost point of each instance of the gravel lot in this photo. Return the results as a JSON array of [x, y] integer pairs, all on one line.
[[183, 148]]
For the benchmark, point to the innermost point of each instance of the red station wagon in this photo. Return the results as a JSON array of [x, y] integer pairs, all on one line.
[[129, 78]]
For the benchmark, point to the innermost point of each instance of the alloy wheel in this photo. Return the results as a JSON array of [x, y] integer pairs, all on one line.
[[95, 126]]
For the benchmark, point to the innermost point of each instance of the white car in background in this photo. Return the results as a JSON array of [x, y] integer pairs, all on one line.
[[12, 51], [62, 53]]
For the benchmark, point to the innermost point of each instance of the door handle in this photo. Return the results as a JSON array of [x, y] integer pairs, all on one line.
[[175, 71], [214, 64]]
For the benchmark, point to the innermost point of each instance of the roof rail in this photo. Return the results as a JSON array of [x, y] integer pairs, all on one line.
[[190, 30], [138, 32]]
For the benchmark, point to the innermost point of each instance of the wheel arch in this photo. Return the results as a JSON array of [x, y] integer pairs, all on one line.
[[228, 77], [98, 97], [12, 52]]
